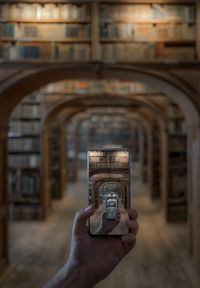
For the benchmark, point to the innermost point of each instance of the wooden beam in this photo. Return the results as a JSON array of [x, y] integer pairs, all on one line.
[[3, 195]]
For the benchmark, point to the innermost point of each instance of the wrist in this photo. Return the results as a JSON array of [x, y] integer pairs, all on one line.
[[75, 276]]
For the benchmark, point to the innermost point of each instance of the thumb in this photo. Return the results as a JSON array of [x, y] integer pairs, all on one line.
[[79, 226]]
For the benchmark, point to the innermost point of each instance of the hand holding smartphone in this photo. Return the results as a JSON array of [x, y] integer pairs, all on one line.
[[109, 191]]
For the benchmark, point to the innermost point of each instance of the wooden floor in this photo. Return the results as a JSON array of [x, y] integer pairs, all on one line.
[[38, 249]]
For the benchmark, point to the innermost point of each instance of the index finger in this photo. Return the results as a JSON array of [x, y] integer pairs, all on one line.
[[132, 213]]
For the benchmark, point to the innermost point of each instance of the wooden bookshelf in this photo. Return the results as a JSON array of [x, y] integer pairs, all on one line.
[[24, 168], [164, 18], [177, 167], [24, 156], [155, 21], [73, 21], [149, 41], [63, 40]]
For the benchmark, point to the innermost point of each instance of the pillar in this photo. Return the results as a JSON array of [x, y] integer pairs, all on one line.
[[141, 152], [145, 157], [193, 182], [150, 162], [75, 161], [164, 171], [156, 159], [3, 196], [63, 159], [133, 141]]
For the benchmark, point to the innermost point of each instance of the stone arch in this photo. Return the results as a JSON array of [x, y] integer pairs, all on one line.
[[77, 101], [32, 77]]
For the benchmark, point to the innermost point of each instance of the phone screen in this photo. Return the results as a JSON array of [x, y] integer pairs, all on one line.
[[109, 190]]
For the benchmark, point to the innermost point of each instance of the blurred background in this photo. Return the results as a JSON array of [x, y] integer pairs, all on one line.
[[114, 74]]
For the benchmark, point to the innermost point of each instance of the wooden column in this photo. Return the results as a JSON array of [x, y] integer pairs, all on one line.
[[133, 141], [63, 159], [46, 172], [150, 162], [75, 161], [164, 171], [3, 196], [157, 159], [193, 183], [141, 151], [145, 160]]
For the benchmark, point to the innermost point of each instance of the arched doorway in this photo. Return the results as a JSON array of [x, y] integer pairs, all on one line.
[[78, 102]]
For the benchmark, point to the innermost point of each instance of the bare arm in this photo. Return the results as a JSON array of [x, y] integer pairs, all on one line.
[[92, 259]]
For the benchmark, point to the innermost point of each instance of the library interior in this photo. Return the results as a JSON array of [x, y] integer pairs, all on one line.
[[77, 75]]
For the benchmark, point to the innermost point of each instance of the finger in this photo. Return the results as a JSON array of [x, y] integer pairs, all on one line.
[[129, 241], [81, 218], [133, 225], [132, 213]]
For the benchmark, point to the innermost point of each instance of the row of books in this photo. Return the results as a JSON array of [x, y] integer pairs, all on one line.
[[24, 211], [185, 13], [182, 54], [24, 144], [31, 160], [148, 32], [45, 51], [108, 165], [33, 97], [44, 11], [108, 159], [177, 159], [175, 112], [26, 111], [177, 126], [94, 153], [18, 127], [110, 52], [72, 52], [128, 52], [178, 183], [45, 31], [177, 144], [145, 52], [97, 86], [26, 184]]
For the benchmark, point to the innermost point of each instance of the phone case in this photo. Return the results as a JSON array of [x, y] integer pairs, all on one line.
[[109, 190]]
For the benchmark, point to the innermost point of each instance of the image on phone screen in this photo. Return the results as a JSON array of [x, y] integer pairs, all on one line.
[[109, 190]]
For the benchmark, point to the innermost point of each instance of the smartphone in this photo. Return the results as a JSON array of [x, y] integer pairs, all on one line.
[[109, 190]]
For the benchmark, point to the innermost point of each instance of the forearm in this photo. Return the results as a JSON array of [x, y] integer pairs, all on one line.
[[68, 277]]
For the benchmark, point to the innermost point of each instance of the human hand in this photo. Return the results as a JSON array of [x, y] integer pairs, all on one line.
[[107, 225], [95, 257]]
